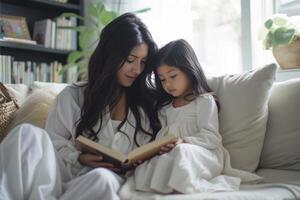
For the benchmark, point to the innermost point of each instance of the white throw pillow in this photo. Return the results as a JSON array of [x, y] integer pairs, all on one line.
[[55, 88], [281, 148], [244, 112]]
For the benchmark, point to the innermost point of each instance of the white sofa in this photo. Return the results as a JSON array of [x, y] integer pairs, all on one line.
[[259, 123]]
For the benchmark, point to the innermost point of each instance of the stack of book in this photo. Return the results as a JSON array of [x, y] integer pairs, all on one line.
[[52, 34], [26, 72]]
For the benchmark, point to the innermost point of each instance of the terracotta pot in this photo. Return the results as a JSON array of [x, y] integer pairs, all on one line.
[[288, 56]]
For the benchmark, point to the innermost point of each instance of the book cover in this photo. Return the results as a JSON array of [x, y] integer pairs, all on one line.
[[42, 32], [143, 153]]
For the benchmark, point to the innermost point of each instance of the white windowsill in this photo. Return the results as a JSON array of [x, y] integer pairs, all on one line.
[[285, 74]]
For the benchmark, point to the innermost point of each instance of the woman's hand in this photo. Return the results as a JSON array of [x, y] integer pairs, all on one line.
[[135, 164], [95, 161], [168, 147]]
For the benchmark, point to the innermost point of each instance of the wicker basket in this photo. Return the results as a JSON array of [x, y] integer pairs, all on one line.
[[288, 56], [8, 107]]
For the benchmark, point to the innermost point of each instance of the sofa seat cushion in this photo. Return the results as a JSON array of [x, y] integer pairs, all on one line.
[[281, 147], [279, 176], [246, 192], [244, 112]]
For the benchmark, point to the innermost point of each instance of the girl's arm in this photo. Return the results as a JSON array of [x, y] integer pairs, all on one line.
[[208, 135]]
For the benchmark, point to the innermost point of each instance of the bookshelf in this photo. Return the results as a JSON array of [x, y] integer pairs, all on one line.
[[36, 10]]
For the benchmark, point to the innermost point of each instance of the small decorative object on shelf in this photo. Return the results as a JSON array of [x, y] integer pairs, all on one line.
[[282, 34], [14, 29]]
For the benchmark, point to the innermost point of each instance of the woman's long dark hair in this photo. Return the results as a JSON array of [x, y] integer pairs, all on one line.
[[181, 55], [102, 89]]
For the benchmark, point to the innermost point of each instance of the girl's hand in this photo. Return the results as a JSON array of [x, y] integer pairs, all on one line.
[[168, 147], [137, 163], [95, 161]]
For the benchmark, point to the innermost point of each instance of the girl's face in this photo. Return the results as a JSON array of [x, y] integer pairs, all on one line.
[[133, 66], [173, 80]]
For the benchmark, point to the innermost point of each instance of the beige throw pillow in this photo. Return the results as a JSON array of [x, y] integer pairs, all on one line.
[[281, 148], [34, 110], [244, 112]]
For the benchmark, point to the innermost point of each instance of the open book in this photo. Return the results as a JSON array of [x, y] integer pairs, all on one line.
[[144, 152]]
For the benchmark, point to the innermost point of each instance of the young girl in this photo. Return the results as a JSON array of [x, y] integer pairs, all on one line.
[[112, 107], [189, 111]]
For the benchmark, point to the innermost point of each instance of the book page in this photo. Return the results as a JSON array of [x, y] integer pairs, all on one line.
[[148, 150], [88, 146]]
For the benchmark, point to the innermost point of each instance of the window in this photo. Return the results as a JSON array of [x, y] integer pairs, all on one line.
[[289, 7], [213, 28], [223, 33]]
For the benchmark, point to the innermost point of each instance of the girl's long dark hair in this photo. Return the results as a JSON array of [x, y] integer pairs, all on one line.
[[181, 55], [102, 89]]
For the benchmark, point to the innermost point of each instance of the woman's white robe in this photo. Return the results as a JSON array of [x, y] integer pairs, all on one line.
[[33, 166]]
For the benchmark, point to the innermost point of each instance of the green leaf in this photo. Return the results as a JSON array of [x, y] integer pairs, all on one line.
[[66, 67], [141, 10], [74, 56], [68, 14], [85, 38], [75, 28], [283, 35], [82, 68], [94, 9], [107, 16], [269, 23], [270, 40]]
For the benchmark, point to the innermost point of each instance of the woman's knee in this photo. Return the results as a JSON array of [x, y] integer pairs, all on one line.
[[26, 135], [27, 131]]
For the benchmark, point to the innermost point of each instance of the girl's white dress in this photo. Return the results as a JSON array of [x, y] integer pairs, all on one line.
[[200, 165], [38, 164]]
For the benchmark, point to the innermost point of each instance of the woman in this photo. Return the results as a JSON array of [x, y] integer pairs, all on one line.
[[112, 107]]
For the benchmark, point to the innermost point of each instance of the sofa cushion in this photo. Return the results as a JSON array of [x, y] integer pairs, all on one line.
[[19, 91], [244, 111], [34, 110], [55, 88], [279, 176], [281, 147]]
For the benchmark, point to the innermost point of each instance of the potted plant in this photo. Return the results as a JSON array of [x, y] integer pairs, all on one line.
[[282, 34], [97, 17]]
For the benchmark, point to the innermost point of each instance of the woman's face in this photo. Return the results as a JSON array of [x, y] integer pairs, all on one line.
[[133, 66]]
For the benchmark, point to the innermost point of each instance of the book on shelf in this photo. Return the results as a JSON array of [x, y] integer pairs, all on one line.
[[142, 153], [42, 32], [26, 72]]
